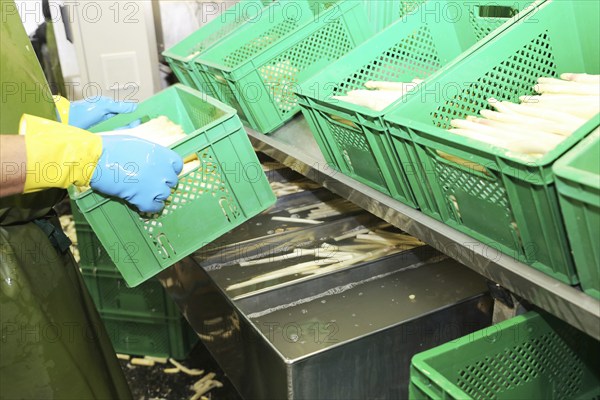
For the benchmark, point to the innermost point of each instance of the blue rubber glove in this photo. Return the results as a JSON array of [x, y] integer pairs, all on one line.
[[86, 113], [137, 171]]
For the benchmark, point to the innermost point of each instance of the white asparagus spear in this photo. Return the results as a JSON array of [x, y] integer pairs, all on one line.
[[363, 257], [374, 238], [560, 98], [160, 360], [499, 105], [294, 269], [531, 149], [375, 99], [186, 370], [383, 94], [142, 361], [403, 87], [529, 123], [202, 380], [350, 234], [522, 132], [297, 220], [552, 115], [554, 81], [318, 252], [372, 103], [573, 88], [583, 78], [489, 130], [585, 111]]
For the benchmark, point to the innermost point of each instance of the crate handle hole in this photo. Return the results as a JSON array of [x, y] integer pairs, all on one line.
[[491, 11], [162, 240]]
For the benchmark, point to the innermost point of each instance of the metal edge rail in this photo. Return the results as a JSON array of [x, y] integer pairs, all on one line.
[[564, 301]]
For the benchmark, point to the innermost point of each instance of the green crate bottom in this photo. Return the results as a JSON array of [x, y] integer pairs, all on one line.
[[527, 357], [111, 294], [158, 337]]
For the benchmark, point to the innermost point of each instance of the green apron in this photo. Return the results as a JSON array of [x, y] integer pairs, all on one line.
[[52, 344]]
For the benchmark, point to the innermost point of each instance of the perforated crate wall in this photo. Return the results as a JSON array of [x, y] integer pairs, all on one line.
[[327, 44], [505, 82], [506, 371], [356, 153], [249, 49]]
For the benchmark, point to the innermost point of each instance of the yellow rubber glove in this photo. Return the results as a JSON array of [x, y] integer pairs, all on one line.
[[63, 108], [58, 155]]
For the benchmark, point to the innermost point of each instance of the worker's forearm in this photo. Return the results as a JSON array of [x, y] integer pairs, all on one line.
[[13, 158]]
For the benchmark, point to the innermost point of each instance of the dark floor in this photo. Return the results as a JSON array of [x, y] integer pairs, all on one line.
[[151, 383]]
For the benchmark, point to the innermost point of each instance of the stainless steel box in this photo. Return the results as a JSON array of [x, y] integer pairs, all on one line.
[[346, 335]]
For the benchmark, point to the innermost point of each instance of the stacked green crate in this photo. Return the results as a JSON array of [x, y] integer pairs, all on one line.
[[142, 320], [578, 185], [532, 356]]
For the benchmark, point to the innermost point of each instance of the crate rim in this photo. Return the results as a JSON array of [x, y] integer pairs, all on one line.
[[564, 171], [289, 41], [170, 52], [456, 140]]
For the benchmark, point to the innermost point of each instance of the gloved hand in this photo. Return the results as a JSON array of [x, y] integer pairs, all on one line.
[[136, 170], [86, 113]]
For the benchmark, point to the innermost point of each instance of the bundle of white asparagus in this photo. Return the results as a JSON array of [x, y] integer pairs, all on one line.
[[284, 188], [540, 122], [379, 94], [365, 245]]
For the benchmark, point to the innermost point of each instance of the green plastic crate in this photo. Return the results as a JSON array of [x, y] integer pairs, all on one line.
[[150, 336], [180, 57], [353, 138], [578, 183], [505, 201], [111, 294], [384, 13], [257, 69], [92, 255], [117, 303], [227, 189], [531, 356]]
